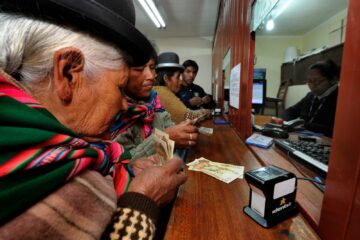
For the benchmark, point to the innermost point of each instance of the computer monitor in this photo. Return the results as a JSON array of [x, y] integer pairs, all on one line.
[[259, 92], [259, 73]]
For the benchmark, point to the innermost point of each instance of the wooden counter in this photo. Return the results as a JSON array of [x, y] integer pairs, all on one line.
[[309, 198], [207, 208]]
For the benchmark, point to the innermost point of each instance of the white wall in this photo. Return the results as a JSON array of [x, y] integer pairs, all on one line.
[[327, 34], [295, 94], [197, 49], [270, 54]]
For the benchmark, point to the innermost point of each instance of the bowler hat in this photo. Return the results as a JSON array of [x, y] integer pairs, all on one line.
[[110, 20], [169, 60]]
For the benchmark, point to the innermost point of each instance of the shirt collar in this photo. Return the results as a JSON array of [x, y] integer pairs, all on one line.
[[329, 91]]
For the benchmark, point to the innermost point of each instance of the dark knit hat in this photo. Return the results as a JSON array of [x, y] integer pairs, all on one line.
[[110, 20], [168, 60]]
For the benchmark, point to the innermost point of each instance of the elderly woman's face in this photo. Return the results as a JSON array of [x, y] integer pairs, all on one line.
[[100, 100], [86, 105], [317, 83], [141, 80]]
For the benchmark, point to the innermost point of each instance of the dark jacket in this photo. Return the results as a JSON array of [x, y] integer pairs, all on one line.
[[188, 92], [319, 115]]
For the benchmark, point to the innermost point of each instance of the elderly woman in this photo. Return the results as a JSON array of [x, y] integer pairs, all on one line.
[[133, 128], [60, 90], [318, 107], [168, 78]]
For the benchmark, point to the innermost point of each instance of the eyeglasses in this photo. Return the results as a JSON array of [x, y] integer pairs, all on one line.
[[315, 80]]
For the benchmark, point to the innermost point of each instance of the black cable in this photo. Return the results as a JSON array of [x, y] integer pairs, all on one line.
[[313, 181], [294, 165]]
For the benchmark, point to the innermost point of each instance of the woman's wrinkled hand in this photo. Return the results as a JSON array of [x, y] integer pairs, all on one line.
[[159, 183], [140, 164]]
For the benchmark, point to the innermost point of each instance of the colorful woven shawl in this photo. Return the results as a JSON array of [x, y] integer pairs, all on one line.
[[38, 154], [143, 110]]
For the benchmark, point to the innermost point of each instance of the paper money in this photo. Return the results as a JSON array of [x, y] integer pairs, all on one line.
[[222, 171], [164, 146], [200, 118], [205, 130]]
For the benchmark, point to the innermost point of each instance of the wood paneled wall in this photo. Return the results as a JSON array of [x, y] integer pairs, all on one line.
[[233, 32]]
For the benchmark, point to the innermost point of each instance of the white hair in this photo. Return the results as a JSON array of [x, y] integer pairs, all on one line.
[[27, 47]]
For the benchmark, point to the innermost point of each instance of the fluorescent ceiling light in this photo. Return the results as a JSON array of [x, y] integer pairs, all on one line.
[[280, 8], [270, 25], [153, 13]]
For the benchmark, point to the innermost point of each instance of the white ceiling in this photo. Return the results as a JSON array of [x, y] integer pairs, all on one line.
[[301, 16], [197, 18], [183, 18]]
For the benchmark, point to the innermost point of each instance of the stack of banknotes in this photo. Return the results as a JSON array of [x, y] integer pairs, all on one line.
[[164, 146], [221, 171]]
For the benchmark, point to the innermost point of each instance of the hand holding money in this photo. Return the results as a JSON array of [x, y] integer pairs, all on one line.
[[140, 164], [184, 134]]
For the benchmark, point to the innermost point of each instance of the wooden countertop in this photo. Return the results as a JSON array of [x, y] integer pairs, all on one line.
[[207, 208], [309, 198]]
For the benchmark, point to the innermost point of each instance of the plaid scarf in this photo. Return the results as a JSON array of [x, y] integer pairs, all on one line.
[[142, 110], [38, 154]]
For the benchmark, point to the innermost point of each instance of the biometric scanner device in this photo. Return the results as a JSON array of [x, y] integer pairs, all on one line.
[[272, 195]]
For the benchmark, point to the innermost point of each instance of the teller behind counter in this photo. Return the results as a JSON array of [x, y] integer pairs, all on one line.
[[318, 107]]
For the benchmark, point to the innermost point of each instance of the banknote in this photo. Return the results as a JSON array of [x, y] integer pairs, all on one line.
[[206, 130], [222, 171], [200, 118], [164, 146]]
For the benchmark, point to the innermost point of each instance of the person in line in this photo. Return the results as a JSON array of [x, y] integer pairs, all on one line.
[[133, 129], [63, 67], [168, 84], [318, 107], [192, 95]]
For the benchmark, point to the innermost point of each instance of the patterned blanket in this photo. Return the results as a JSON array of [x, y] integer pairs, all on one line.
[[80, 209], [38, 154]]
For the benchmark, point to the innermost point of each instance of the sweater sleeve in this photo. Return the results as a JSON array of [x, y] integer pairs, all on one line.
[[167, 120], [134, 218], [146, 148], [162, 120], [175, 107], [131, 139], [171, 103]]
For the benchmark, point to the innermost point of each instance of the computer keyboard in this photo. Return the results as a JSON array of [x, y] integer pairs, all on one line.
[[313, 154]]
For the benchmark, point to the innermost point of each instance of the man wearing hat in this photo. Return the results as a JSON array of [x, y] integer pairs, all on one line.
[[63, 68], [192, 95]]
